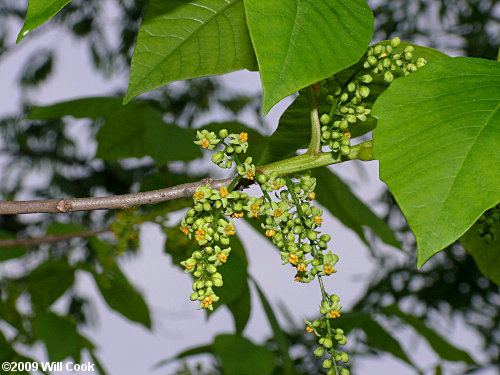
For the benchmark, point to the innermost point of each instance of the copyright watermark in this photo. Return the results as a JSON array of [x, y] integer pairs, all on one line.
[[12, 367]]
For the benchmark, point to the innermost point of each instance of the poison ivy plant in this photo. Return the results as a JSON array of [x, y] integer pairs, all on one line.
[[434, 139]]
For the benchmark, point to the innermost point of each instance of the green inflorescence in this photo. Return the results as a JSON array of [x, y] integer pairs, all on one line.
[[486, 224], [288, 218], [349, 100]]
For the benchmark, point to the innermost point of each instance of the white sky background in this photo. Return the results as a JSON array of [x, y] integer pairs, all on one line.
[[127, 348]]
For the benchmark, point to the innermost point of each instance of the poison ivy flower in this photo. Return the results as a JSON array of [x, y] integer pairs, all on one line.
[[206, 139]]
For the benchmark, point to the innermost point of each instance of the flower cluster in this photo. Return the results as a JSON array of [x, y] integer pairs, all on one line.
[[486, 224], [349, 105]]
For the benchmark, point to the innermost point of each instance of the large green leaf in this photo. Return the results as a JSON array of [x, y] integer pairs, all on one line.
[[299, 42], [487, 256], [336, 196], [59, 334], [39, 12], [443, 348], [10, 252], [134, 130], [180, 39], [437, 140], [121, 296], [240, 356]]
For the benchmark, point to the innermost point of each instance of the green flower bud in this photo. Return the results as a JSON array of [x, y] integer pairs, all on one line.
[[344, 371], [388, 49], [325, 119], [366, 65], [344, 109], [326, 135], [211, 268], [377, 50], [217, 282], [262, 178], [229, 150], [409, 49], [318, 352], [193, 296], [386, 63], [372, 60], [325, 237], [223, 133], [344, 97], [217, 157], [367, 78], [388, 77], [399, 63], [343, 125], [228, 164], [344, 357], [351, 118], [364, 91], [395, 42], [327, 363], [328, 343], [408, 56], [345, 150], [351, 86], [336, 135]]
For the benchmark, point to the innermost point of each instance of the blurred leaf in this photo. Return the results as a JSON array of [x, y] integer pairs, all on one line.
[[311, 40], [336, 196], [240, 356], [135, 130], [278, 333], [436, 138], [443, 348], [487, 256], [38, 68], [10, 252], [39, 12], [180, 39], [197, 350], [49, 281], [122, 297], [376, 335], [59, 335]]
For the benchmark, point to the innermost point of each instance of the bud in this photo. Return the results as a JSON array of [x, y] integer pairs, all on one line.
[[223, 133], [395, 42], [388, 77]]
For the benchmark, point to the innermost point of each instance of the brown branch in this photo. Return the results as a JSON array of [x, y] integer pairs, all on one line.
[[124, 201], [51, 238]]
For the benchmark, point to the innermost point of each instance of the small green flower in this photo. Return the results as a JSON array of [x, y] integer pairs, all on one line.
[[207, 139]]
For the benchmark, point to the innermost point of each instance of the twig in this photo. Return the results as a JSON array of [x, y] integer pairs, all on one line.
[[52, 238], [124, 201]]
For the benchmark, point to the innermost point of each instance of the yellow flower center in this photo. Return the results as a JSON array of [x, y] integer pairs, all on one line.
[[278, 213], [222, 257], [207, 301], [312, 195], [328, 269], [276, 185], [243, 137], [184, 230], [205, 143], [334, 314], [347, 134], [301, 267], [200, 234], [270, 233], [250, 175], [255, 207], [309, 329], [199, 195], [298, 278], [188, 266], [293, 259], [230, 231], [223, 192], [318, 220], [237, 215]]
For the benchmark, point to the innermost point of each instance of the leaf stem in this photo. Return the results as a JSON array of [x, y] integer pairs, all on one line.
[[315, 145]]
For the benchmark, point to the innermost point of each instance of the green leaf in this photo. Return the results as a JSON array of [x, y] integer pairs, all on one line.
[[181, 39], [240, 356], [39, 12], [59, 334], [135, 130], [442, 347], [376, 335], [122, 297], [57, 228], [436, 139], [279, 335], [336, 196], [196, 350], [49, 281], [10, 252], [300, 42], [487, 256]]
